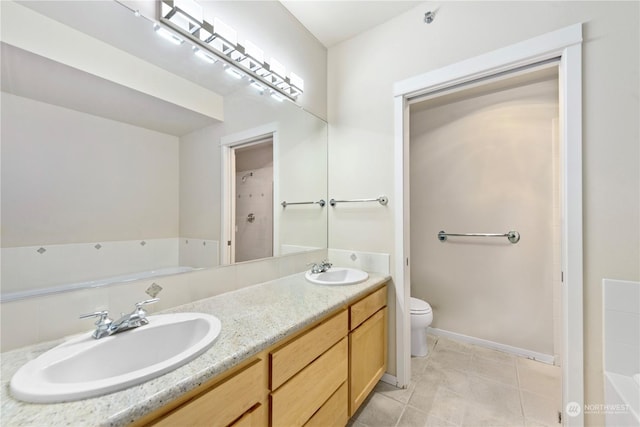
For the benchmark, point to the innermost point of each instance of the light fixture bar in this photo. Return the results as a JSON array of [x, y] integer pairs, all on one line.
[[234, 73], [257, 86], [220, 41], [167, 35], [204, 55]]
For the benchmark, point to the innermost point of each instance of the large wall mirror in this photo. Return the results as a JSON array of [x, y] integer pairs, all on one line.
[[101, 180]]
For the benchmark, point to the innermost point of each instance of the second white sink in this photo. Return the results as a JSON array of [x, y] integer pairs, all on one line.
[[337, 276], [85, 367]]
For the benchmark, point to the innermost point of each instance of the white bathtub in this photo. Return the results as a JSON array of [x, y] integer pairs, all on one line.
[[622, 395], [75, 265], [621, 306], [160, 272]]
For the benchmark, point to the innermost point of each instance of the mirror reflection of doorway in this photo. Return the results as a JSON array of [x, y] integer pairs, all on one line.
[[253, 198]]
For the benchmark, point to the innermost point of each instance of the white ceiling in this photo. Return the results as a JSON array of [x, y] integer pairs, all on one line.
[[332, 22]]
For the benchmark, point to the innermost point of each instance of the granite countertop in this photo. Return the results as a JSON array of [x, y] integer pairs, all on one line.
[[253, 319]]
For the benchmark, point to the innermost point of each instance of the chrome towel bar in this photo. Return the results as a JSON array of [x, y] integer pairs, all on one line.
[[320, 202], [383, 200], [513, 236]]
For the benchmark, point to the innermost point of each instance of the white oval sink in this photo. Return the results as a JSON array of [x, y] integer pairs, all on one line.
[[337, 276], [85, 367]]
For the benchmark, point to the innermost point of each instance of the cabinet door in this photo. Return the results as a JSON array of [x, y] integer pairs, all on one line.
[[367, 358]]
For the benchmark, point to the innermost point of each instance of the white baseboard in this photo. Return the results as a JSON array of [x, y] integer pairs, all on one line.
[[529, 354], [389, 379]]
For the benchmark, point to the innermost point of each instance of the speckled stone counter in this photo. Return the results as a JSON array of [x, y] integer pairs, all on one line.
[[253, 319]]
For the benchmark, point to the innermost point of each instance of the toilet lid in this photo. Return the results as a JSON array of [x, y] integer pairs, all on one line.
[[419, 306]]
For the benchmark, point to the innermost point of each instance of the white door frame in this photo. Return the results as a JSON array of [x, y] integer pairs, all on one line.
[[227, 145], [565, 44]]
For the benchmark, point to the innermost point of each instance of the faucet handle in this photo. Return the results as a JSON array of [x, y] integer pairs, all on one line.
[[139, 315], [145, 302], [315, 268], [103, 317], [102, 324]]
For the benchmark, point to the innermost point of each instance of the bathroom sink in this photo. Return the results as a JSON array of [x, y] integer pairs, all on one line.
[[337, 276], [85, 367]]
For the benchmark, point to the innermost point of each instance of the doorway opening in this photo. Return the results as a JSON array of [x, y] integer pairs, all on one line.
[[248, 194], [484, 164], [484, 161], [565, 45], [254, 201]]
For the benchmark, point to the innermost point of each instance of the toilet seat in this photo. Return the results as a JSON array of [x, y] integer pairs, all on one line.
[[418, 306]]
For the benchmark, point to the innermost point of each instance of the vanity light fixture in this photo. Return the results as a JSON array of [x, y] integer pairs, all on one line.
[[167, 35], [277, 96], [185, 14], [297, 84], [277, 71], [204, 56], [224, 38], [254, 56], [257, 86], [186, 18], [234, 73]]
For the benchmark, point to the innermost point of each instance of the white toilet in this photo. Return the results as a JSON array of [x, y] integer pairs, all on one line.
[[421, 318]]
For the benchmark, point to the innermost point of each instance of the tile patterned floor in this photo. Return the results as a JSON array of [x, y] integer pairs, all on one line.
[[460, 384]]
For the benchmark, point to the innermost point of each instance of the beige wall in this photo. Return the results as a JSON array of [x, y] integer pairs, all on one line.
[[484, 164], [125, 187], [300, 168], [200, 183], [361, 74]]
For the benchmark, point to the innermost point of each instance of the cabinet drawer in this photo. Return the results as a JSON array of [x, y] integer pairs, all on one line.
[[295, 402], [364, 308], [295, 355], [225, 402], [256, 417], [334, 412]]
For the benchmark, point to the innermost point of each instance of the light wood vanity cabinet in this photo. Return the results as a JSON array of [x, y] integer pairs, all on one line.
[[335, 382], [318, 378]]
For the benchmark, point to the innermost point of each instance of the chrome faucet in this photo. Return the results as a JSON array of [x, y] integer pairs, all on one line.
[[320, 268], [102, 324], [105, 326], [137, 317]]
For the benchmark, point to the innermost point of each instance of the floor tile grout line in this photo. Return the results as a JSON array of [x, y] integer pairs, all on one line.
[[404, 409], [524, 415]]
